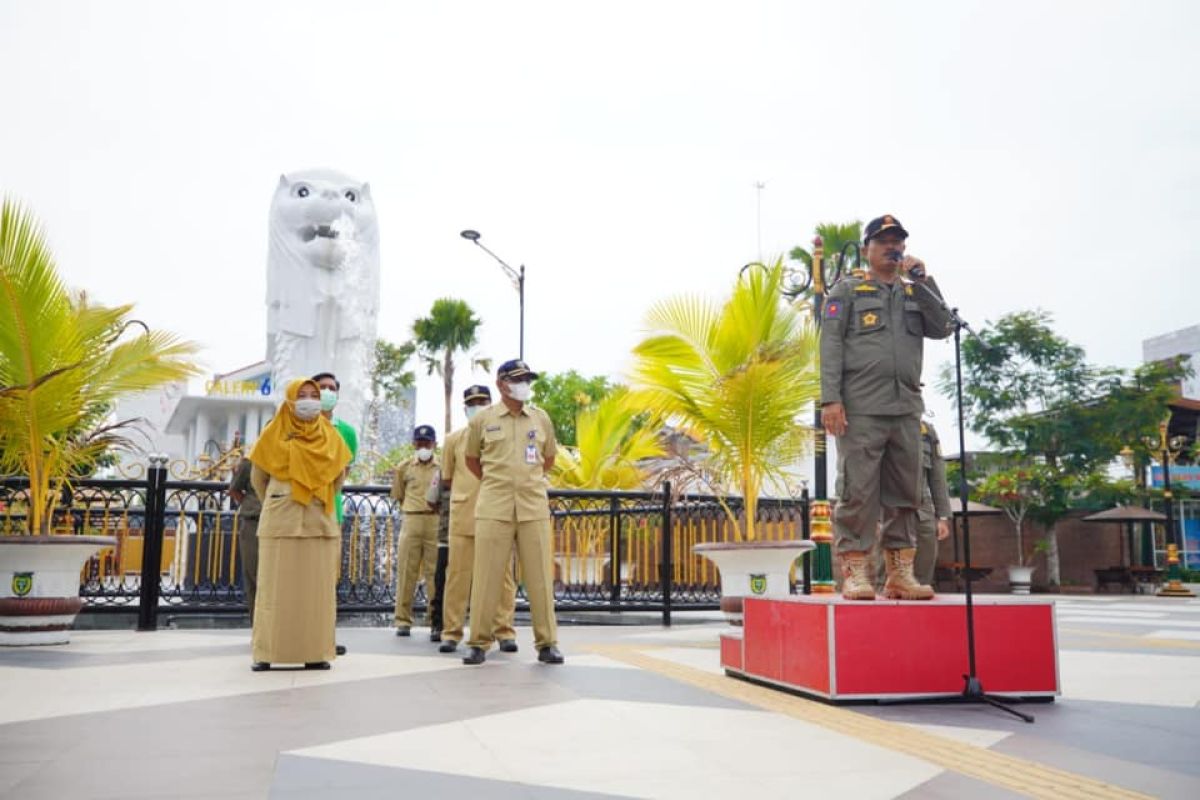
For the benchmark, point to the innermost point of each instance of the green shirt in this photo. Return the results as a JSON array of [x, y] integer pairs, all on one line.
[[350, 437]]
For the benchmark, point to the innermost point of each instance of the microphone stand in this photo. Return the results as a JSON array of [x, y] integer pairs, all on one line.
[[973, 691]]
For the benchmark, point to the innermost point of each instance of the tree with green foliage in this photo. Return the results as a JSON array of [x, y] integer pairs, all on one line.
[[1032, 393], [63, 363], [450, 328], [564, 395], [738, 375], [1015, 492], [390, 376]]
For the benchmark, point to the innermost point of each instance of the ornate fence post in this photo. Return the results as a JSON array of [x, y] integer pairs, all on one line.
[[805, 534], [666, 569], [152, 542], [822, 534], [615, 555]]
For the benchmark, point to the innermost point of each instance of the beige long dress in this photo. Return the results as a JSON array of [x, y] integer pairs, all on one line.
[[295, 609]]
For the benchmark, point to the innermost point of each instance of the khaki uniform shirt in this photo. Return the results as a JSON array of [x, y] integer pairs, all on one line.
[[512, 450], [872, 344], [464, 486], [935, 494], [411, 484], [283, 518]]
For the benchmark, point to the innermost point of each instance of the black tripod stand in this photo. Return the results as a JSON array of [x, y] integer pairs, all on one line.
[[973, 691]]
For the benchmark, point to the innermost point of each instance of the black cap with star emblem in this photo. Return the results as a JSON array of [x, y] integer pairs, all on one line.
[[880, 224], [516, 369], [477, 392], [424, 432]]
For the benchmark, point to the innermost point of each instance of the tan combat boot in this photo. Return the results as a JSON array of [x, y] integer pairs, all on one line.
[[856, 583], [901, 584]]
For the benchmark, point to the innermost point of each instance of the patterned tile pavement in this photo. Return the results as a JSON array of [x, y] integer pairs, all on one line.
[[636, 712]]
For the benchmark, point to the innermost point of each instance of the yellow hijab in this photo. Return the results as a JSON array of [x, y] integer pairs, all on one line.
[[311, 454]]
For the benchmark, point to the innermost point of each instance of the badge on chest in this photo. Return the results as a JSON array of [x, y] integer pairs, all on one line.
[[531, 448]]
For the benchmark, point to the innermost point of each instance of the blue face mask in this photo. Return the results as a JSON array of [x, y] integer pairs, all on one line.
[[328, 399]]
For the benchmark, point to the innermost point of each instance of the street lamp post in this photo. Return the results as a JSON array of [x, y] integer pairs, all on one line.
[[816, 279], [1169, 449], [516, 276]]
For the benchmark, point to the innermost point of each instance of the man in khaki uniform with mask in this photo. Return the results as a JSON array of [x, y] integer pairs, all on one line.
[[418, 536], [933, 517], [464, 491], [872, 346], [511, 448]]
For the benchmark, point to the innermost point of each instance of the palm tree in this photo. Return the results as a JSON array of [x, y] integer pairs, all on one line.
[[610, 445], [739, 376], [62, 364], [613, 437], [451, 327], [834, 237]]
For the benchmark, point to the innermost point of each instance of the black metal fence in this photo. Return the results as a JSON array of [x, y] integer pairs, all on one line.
[[177, 548]]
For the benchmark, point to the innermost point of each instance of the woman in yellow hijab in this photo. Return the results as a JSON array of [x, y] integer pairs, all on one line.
[[298, 462]]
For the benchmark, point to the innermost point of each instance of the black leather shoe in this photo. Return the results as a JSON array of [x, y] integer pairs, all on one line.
[[508, 645], [475, 656], [260, 666], [448, 646], [403, 630], [550, 655], [340, 649], [435, 635], [316, 665]]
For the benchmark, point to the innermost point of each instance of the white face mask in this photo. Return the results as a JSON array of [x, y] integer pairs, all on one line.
[[424, 454], [471, 411], [307, 408], [521, 392]]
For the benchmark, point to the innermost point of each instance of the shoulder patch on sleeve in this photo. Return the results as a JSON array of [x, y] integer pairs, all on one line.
[[833, 308]]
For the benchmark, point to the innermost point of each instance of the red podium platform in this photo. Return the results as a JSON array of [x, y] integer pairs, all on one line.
[[890, 649]]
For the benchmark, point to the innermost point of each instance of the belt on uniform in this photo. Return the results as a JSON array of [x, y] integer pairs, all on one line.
[[416, 513]]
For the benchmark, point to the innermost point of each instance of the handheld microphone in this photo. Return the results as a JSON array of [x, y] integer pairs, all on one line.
[[916, 271]]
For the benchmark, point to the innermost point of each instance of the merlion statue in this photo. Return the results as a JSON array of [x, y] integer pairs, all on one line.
[[323, 284]]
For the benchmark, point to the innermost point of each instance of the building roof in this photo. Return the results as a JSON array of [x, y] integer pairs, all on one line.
[[189, 407]]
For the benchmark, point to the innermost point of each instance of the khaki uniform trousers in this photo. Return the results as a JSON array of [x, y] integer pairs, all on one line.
[[493, 558], [458, 591], [878, 482], [418, 556], [247, 539]]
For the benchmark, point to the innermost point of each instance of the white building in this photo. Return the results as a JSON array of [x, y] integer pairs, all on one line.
[[235, 406], [1183, 342]]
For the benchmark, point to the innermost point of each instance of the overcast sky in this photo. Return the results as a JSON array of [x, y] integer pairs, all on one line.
[[1042, 154]]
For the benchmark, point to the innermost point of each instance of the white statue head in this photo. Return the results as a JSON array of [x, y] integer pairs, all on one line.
[[323, 218]]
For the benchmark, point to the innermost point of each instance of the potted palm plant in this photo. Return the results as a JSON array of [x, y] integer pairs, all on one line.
[[739, 376], [1014, 491], [61, 359], [612, 442]]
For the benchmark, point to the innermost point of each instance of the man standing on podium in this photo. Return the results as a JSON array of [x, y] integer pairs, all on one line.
[[872, 345]]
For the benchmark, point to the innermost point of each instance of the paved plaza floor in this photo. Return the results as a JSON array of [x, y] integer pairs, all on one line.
[[637, 711]]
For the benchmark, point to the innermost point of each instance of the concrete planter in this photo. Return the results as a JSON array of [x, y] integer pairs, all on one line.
[[752, 569], [1020, 579], [39, 586], [577, 570]]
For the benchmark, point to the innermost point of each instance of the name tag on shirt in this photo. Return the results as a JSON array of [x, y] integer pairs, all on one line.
[[531, 451]]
